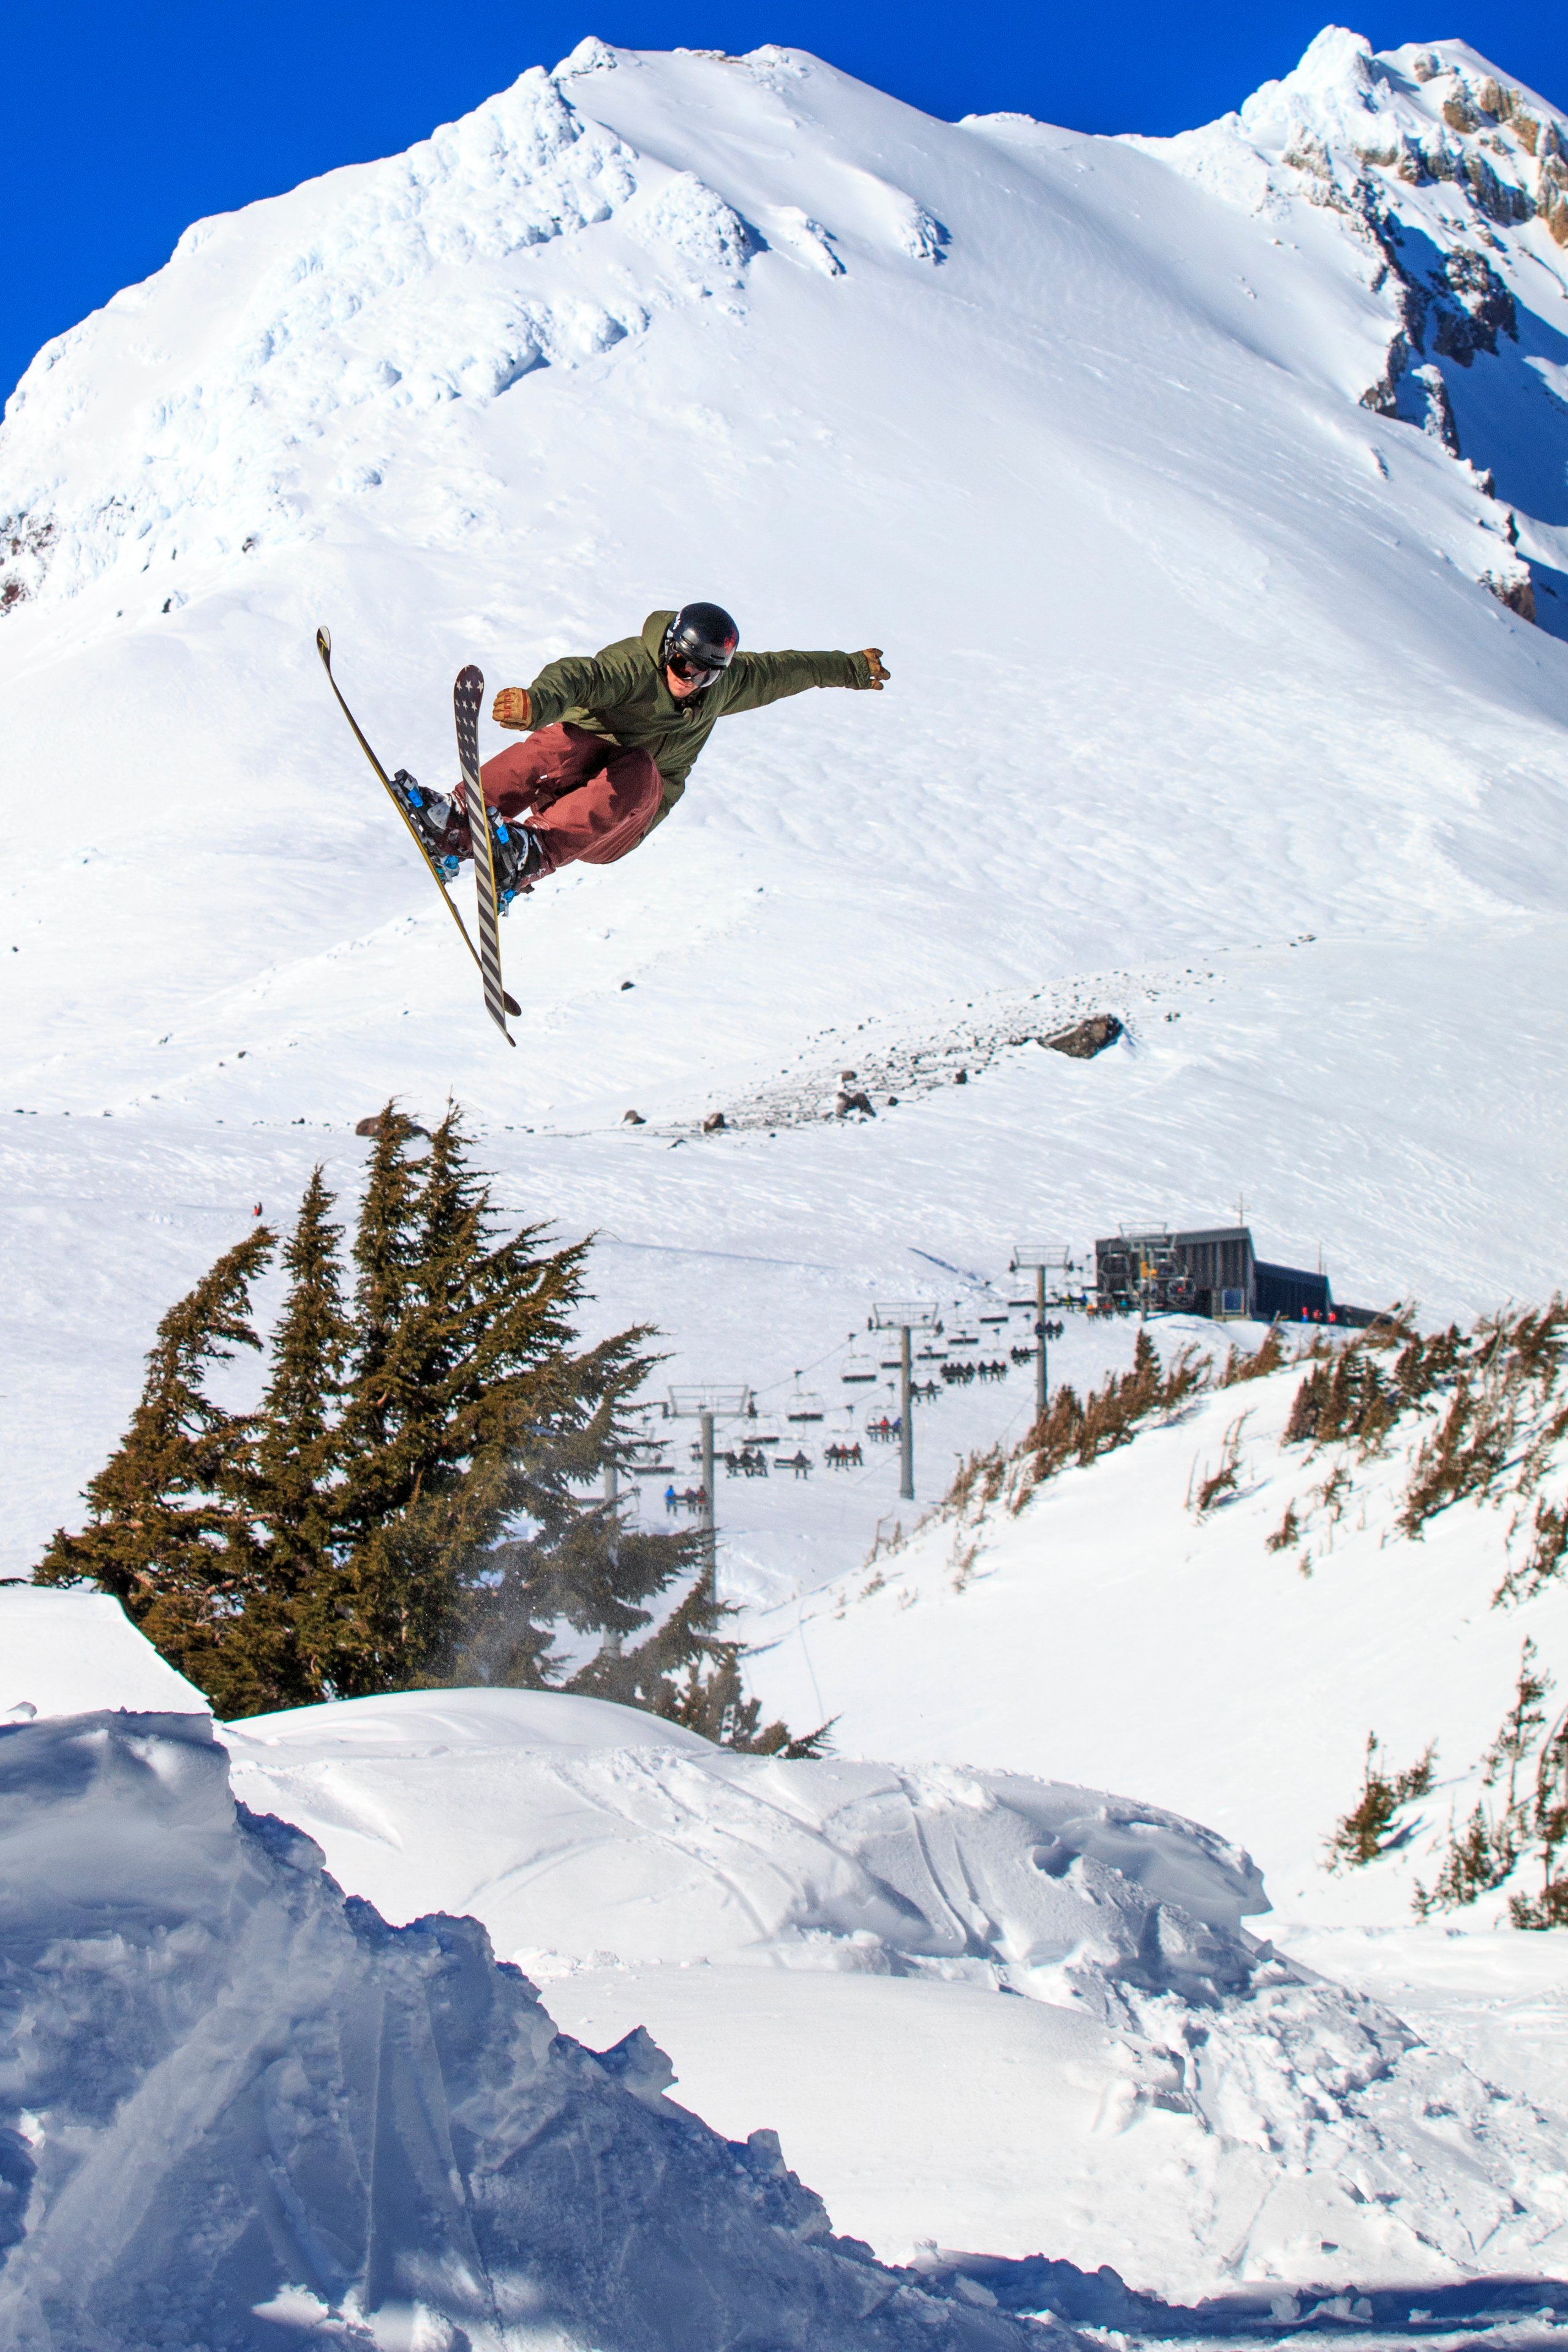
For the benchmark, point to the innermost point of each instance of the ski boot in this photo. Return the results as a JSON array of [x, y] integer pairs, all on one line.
[[519, 858], [440, 821]]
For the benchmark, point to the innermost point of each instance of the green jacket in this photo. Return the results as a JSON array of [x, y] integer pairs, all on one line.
[[621, 693]]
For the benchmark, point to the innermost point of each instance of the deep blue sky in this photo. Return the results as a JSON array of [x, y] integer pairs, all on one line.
[[125, 122]]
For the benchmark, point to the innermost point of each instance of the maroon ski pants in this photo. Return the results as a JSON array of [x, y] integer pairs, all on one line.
[[585, 799]]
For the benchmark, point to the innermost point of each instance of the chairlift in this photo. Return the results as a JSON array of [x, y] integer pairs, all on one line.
[[860, 1371], [1001, 1317], [964, 1339], [932, 1355], [803, 1404]]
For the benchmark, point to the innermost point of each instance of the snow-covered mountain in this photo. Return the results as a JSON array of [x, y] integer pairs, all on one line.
[[1188, 646], [1199, 492]]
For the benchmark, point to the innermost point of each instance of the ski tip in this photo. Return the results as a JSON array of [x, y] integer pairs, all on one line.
[[469, 683], [513, 1006], [324, 643]]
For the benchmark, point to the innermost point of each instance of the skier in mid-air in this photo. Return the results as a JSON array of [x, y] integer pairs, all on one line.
[[612, 737]]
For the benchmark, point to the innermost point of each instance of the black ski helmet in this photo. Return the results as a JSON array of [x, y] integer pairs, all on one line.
[[702, 638]]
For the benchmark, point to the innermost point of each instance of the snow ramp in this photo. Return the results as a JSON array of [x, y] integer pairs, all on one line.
[[239, 2111]]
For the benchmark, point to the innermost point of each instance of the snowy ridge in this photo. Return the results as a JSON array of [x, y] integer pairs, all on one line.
[[594, 1829], [1171, 720], [1438, 118], [439, 280], [1456, 182]]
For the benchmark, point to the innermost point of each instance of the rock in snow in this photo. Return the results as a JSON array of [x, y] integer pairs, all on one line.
[[1086, 1038], [241, 2111]]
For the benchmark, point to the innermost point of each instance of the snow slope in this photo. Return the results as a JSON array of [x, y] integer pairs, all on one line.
[[1166, 546], [1181, 1656], [69, 1652]]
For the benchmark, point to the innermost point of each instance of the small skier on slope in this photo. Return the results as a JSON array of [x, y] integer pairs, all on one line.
[[612, 737]]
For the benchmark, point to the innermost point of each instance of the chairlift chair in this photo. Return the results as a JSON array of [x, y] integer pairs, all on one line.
[[860, 1371], [803, 1404]]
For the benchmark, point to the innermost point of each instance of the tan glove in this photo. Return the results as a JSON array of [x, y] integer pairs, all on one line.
[[872, 657], [511, 708]]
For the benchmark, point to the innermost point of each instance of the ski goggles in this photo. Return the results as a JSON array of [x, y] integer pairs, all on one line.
[[694, 673]]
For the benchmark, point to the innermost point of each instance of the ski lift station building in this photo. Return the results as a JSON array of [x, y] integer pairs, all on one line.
[[1211, 1272]]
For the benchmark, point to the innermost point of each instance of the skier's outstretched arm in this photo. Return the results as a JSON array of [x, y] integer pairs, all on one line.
[[576, 682], [754, 680]]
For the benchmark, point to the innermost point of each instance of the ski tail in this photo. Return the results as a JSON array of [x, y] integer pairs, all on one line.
[[468, 694]]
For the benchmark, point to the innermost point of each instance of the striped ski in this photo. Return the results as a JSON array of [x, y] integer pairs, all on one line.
[[324, 647], [467, 693]]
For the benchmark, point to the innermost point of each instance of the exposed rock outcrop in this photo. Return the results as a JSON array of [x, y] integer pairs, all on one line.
[[1515, 589], [1087, 1038]]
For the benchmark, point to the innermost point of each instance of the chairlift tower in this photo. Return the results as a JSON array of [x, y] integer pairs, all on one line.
[[1040, 1258], [904, 1316], [1152, 1254], [705, 1405]]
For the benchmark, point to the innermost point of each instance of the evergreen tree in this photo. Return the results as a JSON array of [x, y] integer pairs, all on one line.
[[407, 1506], [468, 1412], [171, 1534]]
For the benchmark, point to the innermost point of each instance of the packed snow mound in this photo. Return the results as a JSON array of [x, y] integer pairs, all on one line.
[[438, 1722], [573, 1828], [239, 2111], [807, 1926], [73, 1652]]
